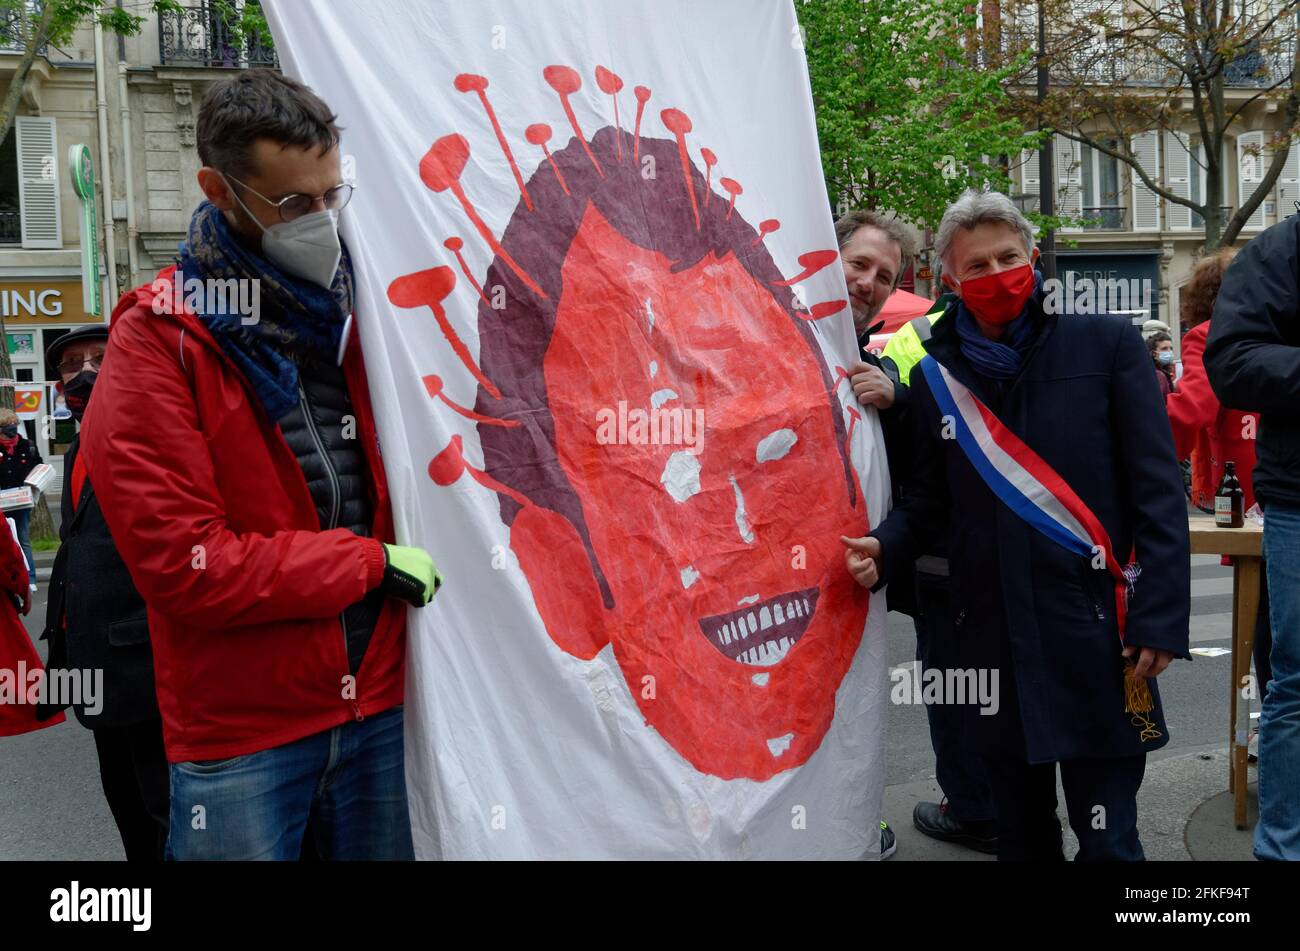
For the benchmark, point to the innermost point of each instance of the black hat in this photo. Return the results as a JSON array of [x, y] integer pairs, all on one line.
[[89, 332]]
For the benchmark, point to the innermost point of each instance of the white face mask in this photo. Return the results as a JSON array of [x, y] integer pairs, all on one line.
[[307, 247]]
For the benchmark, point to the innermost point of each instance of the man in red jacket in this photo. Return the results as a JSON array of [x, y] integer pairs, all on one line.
[[234, 453]]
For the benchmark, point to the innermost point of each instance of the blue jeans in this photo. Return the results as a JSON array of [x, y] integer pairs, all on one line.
[[346, 787], [1277, 836], [22, 521]]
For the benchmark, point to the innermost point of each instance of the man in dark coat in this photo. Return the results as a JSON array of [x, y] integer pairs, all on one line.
[[96, 625], [1252, 358], [1034, 619]]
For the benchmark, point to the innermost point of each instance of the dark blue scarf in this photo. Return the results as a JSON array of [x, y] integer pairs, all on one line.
[[998, 359], [297, 319]]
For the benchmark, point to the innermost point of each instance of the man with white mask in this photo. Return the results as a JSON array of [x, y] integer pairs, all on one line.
[[234, 453]]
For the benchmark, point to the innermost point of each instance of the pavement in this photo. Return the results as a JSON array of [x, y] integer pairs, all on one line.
[[52, 806]]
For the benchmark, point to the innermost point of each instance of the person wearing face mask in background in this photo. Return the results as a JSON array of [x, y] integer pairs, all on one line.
[[96, 624], [1161, 346], [18, 457], [1043, 450], [250, 504]]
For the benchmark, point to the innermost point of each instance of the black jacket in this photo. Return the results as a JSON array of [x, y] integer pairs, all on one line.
[[14, 467], [1252, 354], [1086, 402], [106, 626]]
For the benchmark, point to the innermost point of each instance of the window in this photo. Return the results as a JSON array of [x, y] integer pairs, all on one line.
[[1102, 203], [11, 219]]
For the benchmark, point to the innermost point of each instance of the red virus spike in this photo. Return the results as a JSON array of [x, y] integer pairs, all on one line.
[[732, 188], [611, 85], [539, 134], [566, 81], [710, 160], [433, 384], [679, 124], [429, 289], [642, 96], [812, 262], [764, 229], [826, 308], [449, 465], [440, 170], [469, 82], [454, 244]]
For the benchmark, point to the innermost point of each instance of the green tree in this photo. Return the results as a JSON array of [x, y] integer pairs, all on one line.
[[905, 118]]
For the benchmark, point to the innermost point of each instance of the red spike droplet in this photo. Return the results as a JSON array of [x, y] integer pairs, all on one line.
[[710, 160], [642, 96], [429, 289], [454, 244], [539, 134], [678, 123], [566, 81], [765, 228], [440, 170], [611, 85], [826, 308], [812, 262], [449, 465], [732, 188], [434, 385], [469, 82]]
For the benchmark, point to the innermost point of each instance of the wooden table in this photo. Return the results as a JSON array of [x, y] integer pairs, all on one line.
[[1244, 545]]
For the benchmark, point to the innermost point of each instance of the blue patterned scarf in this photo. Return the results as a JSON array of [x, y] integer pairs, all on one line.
[[296, 319]]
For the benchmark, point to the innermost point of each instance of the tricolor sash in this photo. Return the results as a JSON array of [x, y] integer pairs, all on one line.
[[1024, 482]]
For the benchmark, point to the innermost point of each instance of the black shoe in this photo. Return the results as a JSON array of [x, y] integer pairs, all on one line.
[[888, 842], [937, 821]]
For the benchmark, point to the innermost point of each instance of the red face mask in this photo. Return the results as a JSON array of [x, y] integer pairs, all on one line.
[[999, 298]]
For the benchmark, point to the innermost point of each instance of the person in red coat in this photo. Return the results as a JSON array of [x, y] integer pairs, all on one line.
[[1203, 429], [1209, 433], [18, 658]]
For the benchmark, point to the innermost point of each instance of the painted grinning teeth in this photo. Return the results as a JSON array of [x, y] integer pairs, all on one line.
[[761, 633]]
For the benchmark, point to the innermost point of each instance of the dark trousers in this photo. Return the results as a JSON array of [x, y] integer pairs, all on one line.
[[957, 763], [137, 785], [1100, 797]]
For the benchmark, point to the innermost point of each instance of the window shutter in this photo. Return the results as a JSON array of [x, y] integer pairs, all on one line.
[[1250, 172], [1178, 174], [1146, 203], [1069, 178], [38, 182], [1288, 183], [1029, 176]]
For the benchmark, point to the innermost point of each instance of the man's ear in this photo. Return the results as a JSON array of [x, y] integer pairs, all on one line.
[[1033, 258], [215, 188]]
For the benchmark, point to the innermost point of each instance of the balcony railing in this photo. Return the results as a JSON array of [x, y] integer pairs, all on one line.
[[13, 27], [1225, 212], [1123, 61], [200, 36], [1104, 218]]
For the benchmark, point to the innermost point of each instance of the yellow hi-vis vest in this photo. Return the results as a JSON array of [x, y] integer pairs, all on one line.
[[907, 346]]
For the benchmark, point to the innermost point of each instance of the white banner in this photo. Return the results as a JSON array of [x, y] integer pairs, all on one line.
[[605, 323]]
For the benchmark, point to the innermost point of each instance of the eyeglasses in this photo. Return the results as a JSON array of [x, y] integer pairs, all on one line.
[[295, 206], [74, 365]]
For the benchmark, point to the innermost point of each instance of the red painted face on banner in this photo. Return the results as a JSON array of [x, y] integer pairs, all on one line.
[[663, 434], [733, 618]]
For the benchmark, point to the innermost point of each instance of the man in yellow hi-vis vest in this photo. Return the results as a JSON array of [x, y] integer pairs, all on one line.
[[965, 816]]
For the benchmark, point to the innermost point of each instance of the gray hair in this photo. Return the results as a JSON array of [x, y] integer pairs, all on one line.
[[974, 208], [851, 223]]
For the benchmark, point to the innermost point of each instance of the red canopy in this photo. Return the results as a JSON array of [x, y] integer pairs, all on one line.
[[900, 308]]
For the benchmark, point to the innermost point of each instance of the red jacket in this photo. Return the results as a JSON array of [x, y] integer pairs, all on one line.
[[1205, 431], [213, 518], [17, 655]]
